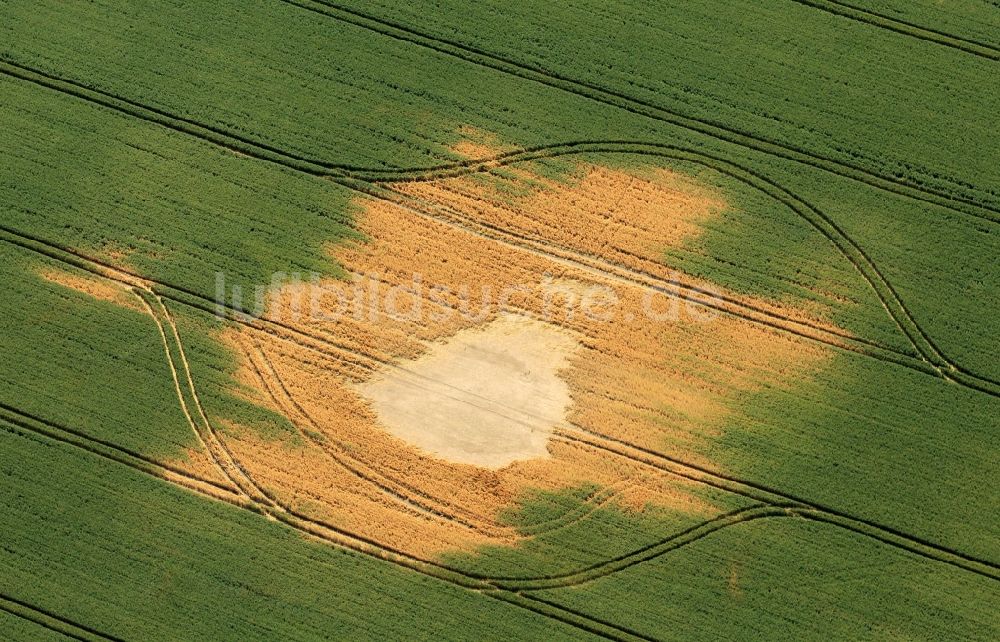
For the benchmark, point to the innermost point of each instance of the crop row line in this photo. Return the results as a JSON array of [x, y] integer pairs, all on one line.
[[500, 588], [267, 502], [259, 500], [843, 243], [763, 493], [758, 492], [44, 427], [249, 488], [26, 426], [255, 493], [954, 372], [679, 468], [419, 501], [904, 27], [52, 621], [645, 108], [270, 326], [748, 489], [611, 566], [609, 444], [193, 299]]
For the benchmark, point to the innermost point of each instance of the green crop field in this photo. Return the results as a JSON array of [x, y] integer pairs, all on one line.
[[218, 424]]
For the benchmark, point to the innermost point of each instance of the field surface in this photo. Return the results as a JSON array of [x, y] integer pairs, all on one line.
[[329, 319]]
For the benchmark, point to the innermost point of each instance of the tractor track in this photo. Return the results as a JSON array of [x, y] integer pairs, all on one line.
[[594, 501], [665, 463], [845, 245], [303, 162], [263, 151], [594, 262], [248, 488], [647, 553], [645, 108], [424, 505], [590, 505], [413, 497], [108, 450], [678, 467], [52, 621], [332, 535], [488, 584], [210, 441], [268, 504], [771, 496], [675, 466], [191, 298], [904, 27], [944, 367], [612, 271]]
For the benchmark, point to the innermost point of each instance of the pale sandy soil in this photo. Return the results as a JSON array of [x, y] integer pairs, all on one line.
[[487, 396]]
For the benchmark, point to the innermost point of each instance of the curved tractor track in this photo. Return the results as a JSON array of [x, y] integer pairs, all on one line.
[[606, 96], [257, 149], [412, 499], [652, 459], [365, 182], [27, 425], [495, 587], [261, 500], [822, 223], [362, 182], [252, 493], [246, 493], [665, 464], [24, 425], [209, 440]]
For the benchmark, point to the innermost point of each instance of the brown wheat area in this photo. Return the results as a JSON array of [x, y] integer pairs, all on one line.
[[663, 384], [303, 477], [197, 462], [472, 496], [97, 288], [623, 218], [477, 143]]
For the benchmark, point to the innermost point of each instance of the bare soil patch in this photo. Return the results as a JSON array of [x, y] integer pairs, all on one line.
[[487, 396], [93, 286]]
